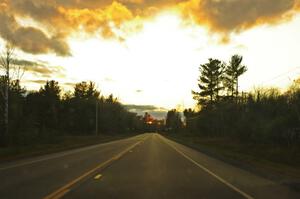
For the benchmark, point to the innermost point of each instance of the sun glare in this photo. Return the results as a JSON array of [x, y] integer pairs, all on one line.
[[161, 58], [151, 60]]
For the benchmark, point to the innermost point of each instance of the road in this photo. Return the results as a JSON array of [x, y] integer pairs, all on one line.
[[143, 166]]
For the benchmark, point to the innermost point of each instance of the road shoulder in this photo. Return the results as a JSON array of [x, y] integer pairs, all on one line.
[[260, 168]]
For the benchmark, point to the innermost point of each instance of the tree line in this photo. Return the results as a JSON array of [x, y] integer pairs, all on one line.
[[264, 115], [47, 113], [41, 116]]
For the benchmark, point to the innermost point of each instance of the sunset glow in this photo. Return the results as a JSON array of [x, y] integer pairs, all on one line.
[[150, 54]]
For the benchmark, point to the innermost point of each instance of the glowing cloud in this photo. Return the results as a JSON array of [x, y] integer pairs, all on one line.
[[237, 15], [59, 19]]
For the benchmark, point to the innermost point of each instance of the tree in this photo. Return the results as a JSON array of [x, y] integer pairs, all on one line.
[[51, 91], [5, 64], [173, 120], [10, 73], [84, 105], [209, 82], [85, 90], [233, 71], [191, 117], [49, 104]]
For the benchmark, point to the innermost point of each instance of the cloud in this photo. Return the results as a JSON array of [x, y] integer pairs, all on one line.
[[40, 10], [141, 107], [157, 112], [237, 15], [38, 81], [104, 20], [30, 39], [70, 84], [42, 82], [39, 68], [59, 19]]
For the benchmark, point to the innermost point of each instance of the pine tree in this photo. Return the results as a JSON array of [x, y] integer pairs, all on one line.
[[209, 82], [233, 71]]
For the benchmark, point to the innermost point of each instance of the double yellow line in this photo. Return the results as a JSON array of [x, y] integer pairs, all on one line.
[[66, 188]]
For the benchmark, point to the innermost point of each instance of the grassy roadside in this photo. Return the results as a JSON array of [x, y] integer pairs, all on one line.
[[61, 144], [278, 164]]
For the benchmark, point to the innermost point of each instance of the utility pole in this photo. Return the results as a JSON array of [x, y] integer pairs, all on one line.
[[7, 91], [96, 120]]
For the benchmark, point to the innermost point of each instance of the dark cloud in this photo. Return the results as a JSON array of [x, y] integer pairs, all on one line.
[[237, 15], [157, 112], [37, 9], [35, 41], [30, 39], [141, 107], [40, 69]]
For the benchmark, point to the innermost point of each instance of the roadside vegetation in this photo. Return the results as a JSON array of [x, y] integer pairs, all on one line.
[[41, 116], [49, 118], [258, 126]]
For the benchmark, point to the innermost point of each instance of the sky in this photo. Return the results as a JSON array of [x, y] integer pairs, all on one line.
[[147, 52]]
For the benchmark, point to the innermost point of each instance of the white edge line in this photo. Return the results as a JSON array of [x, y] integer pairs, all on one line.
[[208, 171]]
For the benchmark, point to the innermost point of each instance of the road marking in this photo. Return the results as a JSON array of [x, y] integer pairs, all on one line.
[[62, 154], [97, 177], [57, 193], [61, 194], [207, 170]]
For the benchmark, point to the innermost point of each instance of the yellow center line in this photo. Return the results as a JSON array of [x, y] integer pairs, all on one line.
[[61, 194], [97, 177], [64, 189]]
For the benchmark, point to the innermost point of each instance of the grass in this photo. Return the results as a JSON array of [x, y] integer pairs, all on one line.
[[60, 144], [278, 163]]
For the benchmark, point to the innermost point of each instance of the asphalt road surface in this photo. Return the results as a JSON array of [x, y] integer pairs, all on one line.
[[144, 166]]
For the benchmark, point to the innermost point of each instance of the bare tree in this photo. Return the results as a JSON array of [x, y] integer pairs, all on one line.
[[5, 64], [9, 71]]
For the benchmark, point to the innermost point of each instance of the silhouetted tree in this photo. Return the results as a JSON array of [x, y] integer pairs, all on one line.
[[85, 90], [173, 120], [5, 65], [10, 74], [50, 101], [209, 82], [233, 71], [191, 118]]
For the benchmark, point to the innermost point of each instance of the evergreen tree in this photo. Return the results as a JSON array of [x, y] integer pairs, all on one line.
[[209, 82], [233, 71]]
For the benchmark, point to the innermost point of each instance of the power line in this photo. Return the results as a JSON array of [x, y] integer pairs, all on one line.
[[281, 75]]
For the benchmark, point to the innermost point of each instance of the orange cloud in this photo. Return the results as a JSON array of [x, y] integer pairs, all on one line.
[[93, 20], [107, 17], [237, 15], [132, 1]]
